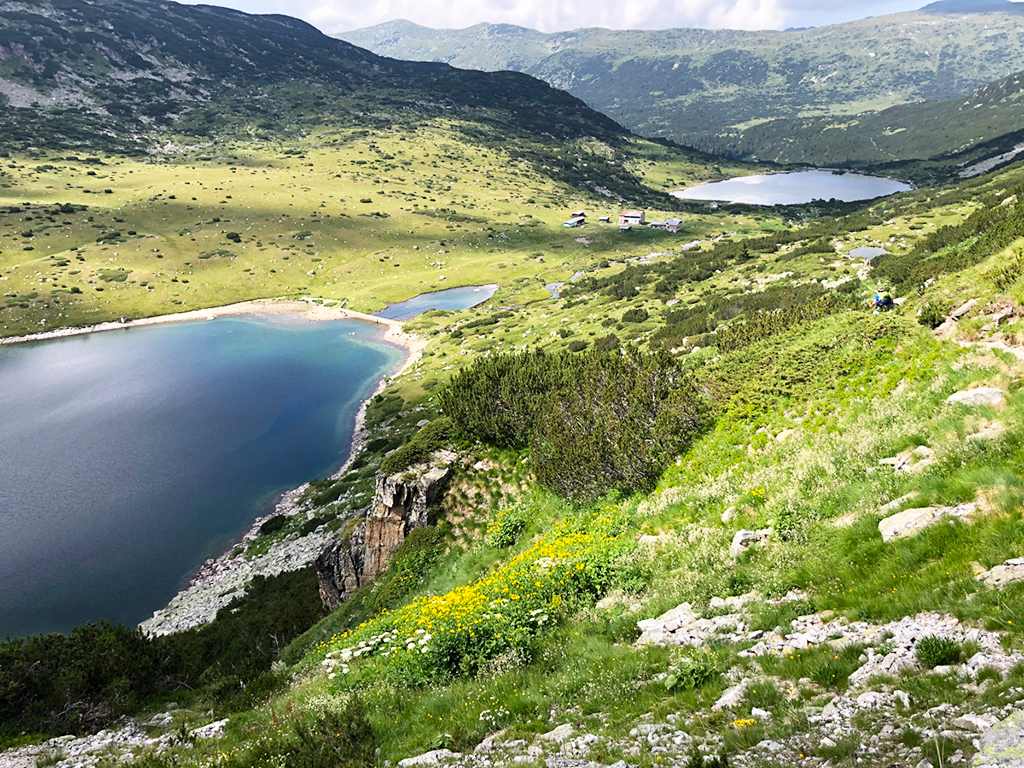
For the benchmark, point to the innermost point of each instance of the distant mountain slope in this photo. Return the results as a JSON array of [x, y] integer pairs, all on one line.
[[980, 124], [681, 82], [132, 65]]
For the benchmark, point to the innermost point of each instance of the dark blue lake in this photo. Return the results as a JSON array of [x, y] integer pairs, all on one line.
[[452, 299], [129, 457]]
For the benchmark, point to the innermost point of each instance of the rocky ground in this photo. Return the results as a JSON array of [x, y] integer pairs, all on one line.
[[221, 580]]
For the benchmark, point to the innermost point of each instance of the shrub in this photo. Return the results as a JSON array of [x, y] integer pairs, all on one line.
[[932, 315], [274, 524], [581, 415], [577, 346], [635, 315], [607, 343], [434, 436], [935, 651], [693, 671], [504, 528]]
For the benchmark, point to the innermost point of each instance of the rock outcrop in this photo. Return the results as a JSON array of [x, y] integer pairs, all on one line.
[[339, 567], [401, 503]]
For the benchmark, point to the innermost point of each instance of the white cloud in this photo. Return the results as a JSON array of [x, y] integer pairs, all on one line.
[[339, 15], [333, 16]]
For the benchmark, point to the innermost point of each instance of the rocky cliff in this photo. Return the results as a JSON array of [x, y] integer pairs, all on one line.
[[401, 503]]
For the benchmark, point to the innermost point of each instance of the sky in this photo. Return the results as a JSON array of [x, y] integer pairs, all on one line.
[[334, 16]]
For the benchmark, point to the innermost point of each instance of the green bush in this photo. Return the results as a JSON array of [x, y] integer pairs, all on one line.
[[581, 415], [694, 671], [606, 343], [932, 315], [635, 315], [935, 651], [434, 436], [577, 346], [504, 527], [274, 524]]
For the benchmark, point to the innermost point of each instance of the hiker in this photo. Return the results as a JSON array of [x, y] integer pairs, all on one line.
[[883, 302]]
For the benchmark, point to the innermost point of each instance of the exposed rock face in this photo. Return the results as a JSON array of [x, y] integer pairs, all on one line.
[[339, 568], [401, 502]]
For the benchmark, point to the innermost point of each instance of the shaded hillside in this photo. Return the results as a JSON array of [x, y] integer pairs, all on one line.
[[680, 82], [129, 75], [140, 65]]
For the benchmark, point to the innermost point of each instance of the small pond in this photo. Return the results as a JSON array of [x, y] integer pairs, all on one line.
[[867, 252], [453, 300]]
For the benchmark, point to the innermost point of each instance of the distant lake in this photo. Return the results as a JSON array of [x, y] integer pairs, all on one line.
[[867, 252], [130, 457], [794, 188], [452, 299]]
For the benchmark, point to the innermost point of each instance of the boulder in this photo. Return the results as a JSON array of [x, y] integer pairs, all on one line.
[[982, 396], [1001, 575], [910, 460], [743, 540], [975, 723], [1003, 745], [912, 521], [963, 309], [732, 697]]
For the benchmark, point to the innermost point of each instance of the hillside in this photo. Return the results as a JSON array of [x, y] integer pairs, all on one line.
[[679, 83], [812, 557], [165, 157], [955, 132]]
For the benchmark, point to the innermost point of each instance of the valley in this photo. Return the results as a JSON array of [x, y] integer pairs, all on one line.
[[688, 496]]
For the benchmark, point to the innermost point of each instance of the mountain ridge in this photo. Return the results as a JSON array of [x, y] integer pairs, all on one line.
[[683, 82]]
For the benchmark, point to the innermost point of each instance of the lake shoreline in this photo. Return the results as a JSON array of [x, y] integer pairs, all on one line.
[[308, 309], [220, 579]]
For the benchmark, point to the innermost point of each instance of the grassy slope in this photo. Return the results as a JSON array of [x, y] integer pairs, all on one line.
[[443, 210], [847, 390]]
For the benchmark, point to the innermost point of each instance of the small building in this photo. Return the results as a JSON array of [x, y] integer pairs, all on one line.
[[658, 225], [633, 218], [673, 225], [604, 219], [578, 214], [625, 228], [578, 221]]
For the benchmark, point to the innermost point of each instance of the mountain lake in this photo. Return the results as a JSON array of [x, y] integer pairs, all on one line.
[[794, 188], [130, 457]]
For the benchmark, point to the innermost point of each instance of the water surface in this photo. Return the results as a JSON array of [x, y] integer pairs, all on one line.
[[452, 299], [794, 188], [867, 252], [129, 457]]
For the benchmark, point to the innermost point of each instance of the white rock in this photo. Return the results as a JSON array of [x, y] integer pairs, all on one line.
[[732, 697], [975, 723], [744, 540], [988, 396], [436, 757], [562, 733]]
